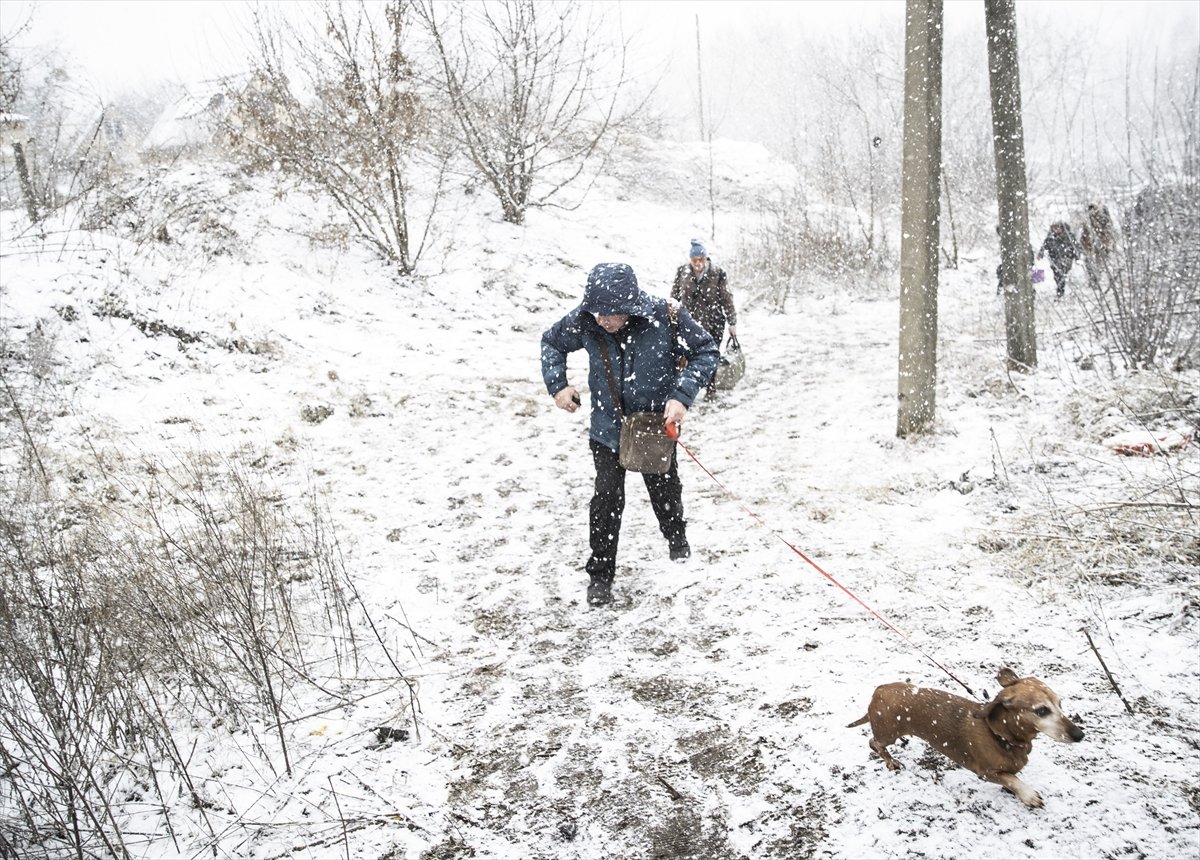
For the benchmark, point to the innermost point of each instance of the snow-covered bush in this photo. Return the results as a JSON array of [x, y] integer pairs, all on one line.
[[185, 204], [1137, 525], [795, 246], [1150, 310], [141, 602]]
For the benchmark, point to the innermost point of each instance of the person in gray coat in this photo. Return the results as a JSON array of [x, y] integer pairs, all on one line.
[[702, 287], [636, 330], [1098, 241]]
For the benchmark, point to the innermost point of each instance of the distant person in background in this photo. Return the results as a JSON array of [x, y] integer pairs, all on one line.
[[1061, 246], [702, 287], [1098, 240]]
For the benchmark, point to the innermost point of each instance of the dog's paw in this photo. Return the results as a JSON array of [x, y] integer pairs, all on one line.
[[1029, 797], [1024, 793]]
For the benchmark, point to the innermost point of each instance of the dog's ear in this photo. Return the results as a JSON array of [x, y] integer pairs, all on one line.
[[1002, 721], [986, 712], [1007, 677]]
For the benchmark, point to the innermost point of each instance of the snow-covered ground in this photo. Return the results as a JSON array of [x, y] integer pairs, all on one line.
[[704, 714]]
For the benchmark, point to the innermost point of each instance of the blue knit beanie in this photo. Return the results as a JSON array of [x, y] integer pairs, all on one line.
[[698, 249]]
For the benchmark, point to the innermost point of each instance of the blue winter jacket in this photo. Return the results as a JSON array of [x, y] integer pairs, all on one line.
[[644, 361]]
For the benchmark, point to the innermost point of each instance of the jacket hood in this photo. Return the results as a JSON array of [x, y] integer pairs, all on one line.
[[612, 288]]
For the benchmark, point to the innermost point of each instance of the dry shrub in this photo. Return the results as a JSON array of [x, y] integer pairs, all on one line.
[[1144, 305], [792, 248], [1131, 521], [138, 605], [171, 207]]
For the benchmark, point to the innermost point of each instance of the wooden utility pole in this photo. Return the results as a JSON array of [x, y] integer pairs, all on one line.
[[919, 225], [1008, 137], [705, 135]]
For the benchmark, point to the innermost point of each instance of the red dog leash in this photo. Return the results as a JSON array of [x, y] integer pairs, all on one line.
[[672, 431]]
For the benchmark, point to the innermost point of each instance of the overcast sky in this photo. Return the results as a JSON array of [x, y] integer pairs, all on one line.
[[119, 44]]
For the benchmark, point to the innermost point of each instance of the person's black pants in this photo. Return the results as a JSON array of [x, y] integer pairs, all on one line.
[[718, 333], [1060, 279], [608, 504]]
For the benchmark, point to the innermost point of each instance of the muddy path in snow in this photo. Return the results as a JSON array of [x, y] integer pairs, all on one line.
[[704, 713], [625, 731]]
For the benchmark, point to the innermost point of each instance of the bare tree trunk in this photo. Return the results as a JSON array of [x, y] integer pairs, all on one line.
[[1011, 193], [952, 254], [25, 181], [919, 217], [871, 195], [1191, 134]]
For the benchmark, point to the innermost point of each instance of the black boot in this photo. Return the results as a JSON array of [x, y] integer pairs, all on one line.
[[677, 541], [601, 571], [599, 591]]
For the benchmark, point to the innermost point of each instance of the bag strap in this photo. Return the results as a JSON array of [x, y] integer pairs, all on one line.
[[732, 343], [612, 384], [681, 361]]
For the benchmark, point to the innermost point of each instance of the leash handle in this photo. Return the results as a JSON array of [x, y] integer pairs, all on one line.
[[821, 570]]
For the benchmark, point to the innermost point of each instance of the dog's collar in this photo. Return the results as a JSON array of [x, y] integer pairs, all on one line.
[[1005, 736], [1013, 746]]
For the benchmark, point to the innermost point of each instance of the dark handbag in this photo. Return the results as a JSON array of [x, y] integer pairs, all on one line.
[[645, 445], [731, 367]]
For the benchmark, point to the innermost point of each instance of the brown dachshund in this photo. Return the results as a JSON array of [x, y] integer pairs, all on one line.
[[992, 740]]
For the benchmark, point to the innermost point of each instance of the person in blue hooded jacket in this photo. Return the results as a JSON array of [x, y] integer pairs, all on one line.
[[636, 330]]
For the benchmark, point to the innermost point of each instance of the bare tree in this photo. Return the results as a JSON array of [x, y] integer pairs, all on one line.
[[358, 131], [858, 147], [968, 168], [1190, 116], [11, 68], [919, 221], [56, 127], [13, 125], [1146, 301], [533, 91], [836, 108]]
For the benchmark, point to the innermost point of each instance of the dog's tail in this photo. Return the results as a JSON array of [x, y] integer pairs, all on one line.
[[865, 718]]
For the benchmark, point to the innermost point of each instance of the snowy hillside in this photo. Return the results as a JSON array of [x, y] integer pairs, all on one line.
[[705, 713]]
